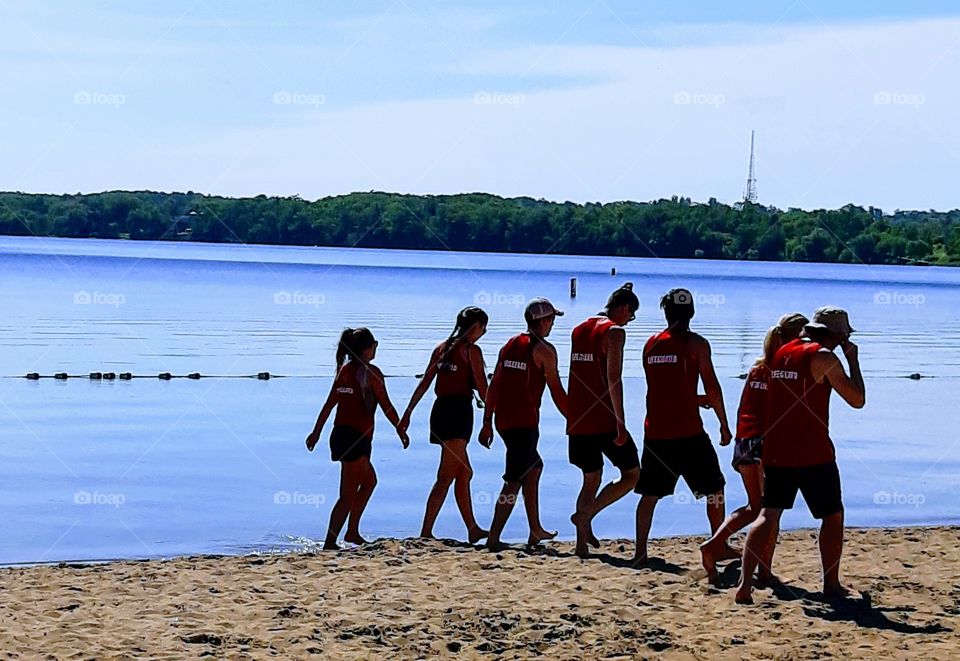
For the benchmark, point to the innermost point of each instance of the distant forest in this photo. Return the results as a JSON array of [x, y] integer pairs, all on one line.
[[676, 227]]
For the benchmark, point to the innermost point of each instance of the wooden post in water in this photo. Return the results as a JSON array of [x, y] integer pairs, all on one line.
[[573, 287]]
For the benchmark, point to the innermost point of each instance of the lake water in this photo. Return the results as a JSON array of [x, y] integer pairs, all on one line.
[[150, 468]]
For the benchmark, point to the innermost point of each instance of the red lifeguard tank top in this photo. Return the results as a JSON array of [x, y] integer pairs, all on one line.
[[521, 385], [753, 403], [673, 373], [798, 410], [589, 409], [356, 403], [454, 374]]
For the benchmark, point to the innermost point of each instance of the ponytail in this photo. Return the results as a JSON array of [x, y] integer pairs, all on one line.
[[787, 329], [467, 318], [353, 341]]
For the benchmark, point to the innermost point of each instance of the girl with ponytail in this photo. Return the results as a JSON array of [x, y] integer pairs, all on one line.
[[457, 365], [749, 442], [356, 392]]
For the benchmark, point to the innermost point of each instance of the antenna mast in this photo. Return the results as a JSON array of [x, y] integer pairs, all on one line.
[[750, 195]]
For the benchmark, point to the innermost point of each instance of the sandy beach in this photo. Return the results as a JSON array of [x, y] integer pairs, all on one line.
[[413, 599]]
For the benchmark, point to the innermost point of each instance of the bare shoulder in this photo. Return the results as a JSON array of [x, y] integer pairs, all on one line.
[[543, 351], [699, 342]]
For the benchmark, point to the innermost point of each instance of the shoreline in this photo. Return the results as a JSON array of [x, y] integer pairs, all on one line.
[[411, 598]]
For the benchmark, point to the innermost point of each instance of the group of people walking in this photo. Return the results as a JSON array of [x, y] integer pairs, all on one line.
[[782, 442]]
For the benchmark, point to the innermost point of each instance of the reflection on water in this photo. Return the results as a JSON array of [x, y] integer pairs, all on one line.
[[204, 466]]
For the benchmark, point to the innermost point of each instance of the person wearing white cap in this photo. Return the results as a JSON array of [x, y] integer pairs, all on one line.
[[527, 364], [798, 454]]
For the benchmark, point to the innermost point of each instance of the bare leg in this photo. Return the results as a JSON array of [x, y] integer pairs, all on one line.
[[616, 490], [505, 503], [360, 500], [585, 504], [758, 539], [461, 489], [350, 478], [445, 476], [644, 520], [831, 548], [531, 502], [711, 550]]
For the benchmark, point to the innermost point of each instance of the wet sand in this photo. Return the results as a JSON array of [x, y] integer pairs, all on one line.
[[412, 598]]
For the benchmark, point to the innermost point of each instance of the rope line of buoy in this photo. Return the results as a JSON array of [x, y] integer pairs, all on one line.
[[266, 376]]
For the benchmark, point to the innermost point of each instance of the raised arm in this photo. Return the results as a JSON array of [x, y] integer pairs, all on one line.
[[325, 412], [827, 367], [383, 399], [615, 339], [422, 387], [545, 356], [711, 385], [479, 374]]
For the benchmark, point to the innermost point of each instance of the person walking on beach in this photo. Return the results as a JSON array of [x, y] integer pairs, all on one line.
[[457, 364], [748, 444], [526, 365], [675, 444], [798, 454], [596, 425], [356, 391]]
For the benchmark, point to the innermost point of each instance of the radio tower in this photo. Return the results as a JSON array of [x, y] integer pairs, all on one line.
[[750, 195]]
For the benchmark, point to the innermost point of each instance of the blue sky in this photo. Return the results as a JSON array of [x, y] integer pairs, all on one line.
[[595, 100]]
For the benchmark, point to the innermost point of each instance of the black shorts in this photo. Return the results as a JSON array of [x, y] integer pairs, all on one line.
[[666, 461], [522, 454], [451, 417], [820, 486], [746, 452], [586, 452], [348, 444]]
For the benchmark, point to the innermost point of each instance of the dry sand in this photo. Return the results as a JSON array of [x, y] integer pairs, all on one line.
[[410, 599]]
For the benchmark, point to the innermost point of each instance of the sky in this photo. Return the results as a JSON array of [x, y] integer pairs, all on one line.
[[597, 100]]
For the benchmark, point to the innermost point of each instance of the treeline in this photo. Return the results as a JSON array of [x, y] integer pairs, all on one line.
[[666, 228]]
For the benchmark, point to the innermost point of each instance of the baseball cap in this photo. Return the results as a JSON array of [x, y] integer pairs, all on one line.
[[832, 319], [539, 308]]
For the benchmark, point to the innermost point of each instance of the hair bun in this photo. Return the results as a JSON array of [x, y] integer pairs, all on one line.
[[628, 286]]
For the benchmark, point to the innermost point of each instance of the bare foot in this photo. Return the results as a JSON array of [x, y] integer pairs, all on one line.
[[639, 560], [837, 592], [583, 524], [540, 536], [476, 533], [744, 596], [354, 538], [495, 545], [729, 553], [426, 534], [581, 550], [331, 546], [709, 562]]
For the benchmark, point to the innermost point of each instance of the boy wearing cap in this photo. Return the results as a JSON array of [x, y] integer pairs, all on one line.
[[596, 425], [798, 454], [527, 363], [675, 444]]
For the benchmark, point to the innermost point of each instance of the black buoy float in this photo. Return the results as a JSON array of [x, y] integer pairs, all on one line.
[[263, 376], [125, 376], [916, 376], [33, 376], [109, 376], [164, 376], [61, 376], [96, 376], [193, 375]]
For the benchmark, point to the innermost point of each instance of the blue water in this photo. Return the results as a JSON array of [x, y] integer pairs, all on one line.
[[147, 468]]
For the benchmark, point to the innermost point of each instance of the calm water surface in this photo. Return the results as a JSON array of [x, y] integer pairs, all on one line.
[[147, 468]]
